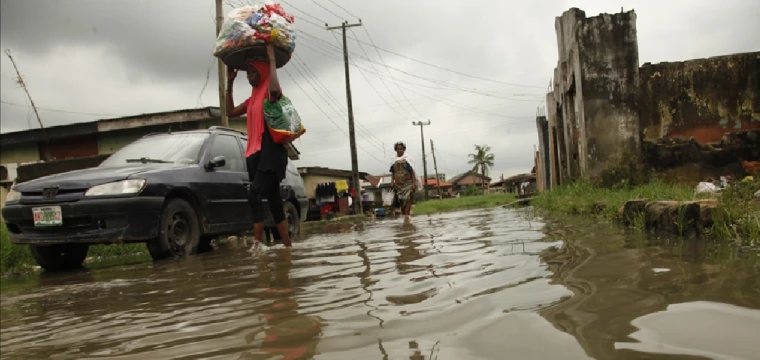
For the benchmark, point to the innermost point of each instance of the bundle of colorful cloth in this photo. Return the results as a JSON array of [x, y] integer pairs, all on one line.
[[256, 25]]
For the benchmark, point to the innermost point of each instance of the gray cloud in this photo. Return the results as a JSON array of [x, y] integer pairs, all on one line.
[[100, 59]]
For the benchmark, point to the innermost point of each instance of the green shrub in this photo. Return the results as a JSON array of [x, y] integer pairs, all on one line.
[[472, 190], [738, 215], [13, 258]]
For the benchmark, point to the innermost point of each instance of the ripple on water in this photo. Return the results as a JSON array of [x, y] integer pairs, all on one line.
[[715, 330], [446, 285]]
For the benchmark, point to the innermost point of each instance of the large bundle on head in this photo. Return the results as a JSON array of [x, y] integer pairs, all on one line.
[[248, 29]]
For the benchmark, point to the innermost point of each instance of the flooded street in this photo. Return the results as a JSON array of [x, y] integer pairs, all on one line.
[[482, 284]]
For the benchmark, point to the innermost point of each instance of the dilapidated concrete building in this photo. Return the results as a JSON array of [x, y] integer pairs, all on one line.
[[604, 110]]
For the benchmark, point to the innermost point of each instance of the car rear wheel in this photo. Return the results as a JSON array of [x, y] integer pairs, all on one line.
[[179, 234], [59, 257], [294, 223]]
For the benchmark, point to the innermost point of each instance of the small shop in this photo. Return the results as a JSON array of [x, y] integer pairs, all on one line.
[[331, 192]]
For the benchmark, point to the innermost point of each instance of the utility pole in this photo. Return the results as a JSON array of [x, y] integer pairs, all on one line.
[[20, 80], [358, 208], [424, 160], [435, 166], [222, 75]]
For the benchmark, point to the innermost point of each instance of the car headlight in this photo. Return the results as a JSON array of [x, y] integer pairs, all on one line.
[[13, 196], [124, 187]]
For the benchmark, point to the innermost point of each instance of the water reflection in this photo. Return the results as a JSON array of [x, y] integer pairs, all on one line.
[[286, 332], [620, 281], [682, 330], [482, 284]]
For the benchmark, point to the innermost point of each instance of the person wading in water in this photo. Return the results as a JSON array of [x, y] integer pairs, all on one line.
[[266, 160], [404, 178]]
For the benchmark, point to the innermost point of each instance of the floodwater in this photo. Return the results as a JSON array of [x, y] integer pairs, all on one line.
[[483, 284]]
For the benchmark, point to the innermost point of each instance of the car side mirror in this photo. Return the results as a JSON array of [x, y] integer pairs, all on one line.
[[216, 162]]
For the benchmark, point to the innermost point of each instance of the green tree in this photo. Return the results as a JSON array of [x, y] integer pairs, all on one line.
[[482, 161]]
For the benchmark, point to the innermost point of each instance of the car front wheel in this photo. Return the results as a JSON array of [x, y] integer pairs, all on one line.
[[59, 257], [179, 234]]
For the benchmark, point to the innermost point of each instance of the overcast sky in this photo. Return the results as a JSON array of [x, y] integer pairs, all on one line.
[[85, 60]]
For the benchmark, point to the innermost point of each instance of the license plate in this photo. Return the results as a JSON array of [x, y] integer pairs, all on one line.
[[47, 216]]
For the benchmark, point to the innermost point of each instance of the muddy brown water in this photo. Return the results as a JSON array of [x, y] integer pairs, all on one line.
[[483, 284]]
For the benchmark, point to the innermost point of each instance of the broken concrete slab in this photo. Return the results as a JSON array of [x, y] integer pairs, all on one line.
[[631, 210], [683, 218], [673, 217]]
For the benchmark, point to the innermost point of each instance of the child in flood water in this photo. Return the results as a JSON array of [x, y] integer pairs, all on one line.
[[404, 178]]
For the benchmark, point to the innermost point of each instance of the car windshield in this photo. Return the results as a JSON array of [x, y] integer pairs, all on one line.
[[167, 148]]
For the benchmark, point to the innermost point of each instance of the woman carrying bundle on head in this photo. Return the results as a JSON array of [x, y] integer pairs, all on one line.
[[404, 178]]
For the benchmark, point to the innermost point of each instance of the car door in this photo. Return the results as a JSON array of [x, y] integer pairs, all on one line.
[[226, 193]]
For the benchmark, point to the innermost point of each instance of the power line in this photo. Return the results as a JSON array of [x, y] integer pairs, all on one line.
[[320, 26], [435, 81], [411, 83], [386, 67], [328, 10], [447, 86], [385, 85], [329, 117], [344, 9], [471, 109], [303, 12], [208, 77], [457, 105], [353, 62], [328, 94], [60, 111], [441, 67]]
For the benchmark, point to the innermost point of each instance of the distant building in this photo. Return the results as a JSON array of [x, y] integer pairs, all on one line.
[[432, 187], [441, 176], [462, 181], [522, 184]]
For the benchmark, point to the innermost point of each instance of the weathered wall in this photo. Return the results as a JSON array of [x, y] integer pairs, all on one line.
[[557, 167], [689, 162], [603, 109], [592, 109], [543, 160], [607, 108], [704, 98], [566, 94]]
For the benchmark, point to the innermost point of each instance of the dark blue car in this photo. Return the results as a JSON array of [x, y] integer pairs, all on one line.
[[173, 191]]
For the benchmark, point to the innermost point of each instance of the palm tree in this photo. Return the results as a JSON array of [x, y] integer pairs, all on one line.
[[482, 161]]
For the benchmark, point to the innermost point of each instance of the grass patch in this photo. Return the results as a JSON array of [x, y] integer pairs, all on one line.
[[737, 217], [582, 198], [463, 203], [13, 258], [18, 258]]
